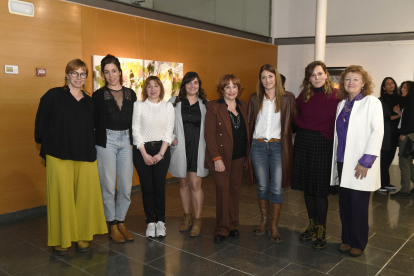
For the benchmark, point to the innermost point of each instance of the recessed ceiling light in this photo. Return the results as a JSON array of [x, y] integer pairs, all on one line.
[[21, 8]]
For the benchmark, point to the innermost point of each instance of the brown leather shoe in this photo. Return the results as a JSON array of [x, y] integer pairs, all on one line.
[[345, 248], [195, 231], [356, 252], [124, 232], [186, 223], [59, 251], [264, 223], [274, 219], [114, 233], [82, 246]]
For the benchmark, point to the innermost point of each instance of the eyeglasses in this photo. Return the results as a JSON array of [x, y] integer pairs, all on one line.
[[76, 74]]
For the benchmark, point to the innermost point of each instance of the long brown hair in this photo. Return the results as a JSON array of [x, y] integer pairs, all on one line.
[[306, 86], [279, 91], [74, 65]]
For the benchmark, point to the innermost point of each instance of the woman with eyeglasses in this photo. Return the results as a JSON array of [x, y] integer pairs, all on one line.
[[114, 105], [64, 127]]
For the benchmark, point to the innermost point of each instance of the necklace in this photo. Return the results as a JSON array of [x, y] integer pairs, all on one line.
[[115, 90], [236, 124]]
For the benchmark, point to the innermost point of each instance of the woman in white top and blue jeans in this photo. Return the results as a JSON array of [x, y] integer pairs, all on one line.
[[152, 131]]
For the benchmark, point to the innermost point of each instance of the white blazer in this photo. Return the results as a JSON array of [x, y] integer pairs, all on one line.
[[178, 163], [365, 133]]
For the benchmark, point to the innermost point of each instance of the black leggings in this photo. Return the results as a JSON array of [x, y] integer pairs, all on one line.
[[317, 207]]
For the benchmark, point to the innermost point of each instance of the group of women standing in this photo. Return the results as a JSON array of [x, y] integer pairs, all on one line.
[[339, 138]]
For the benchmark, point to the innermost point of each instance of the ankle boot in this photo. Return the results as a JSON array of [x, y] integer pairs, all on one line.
[[59, 251], [124, 232], [195, 231], [320, 241], [186, 223], [274, 219], [264, 223], [114, 233], [82, 246], [310, 232]]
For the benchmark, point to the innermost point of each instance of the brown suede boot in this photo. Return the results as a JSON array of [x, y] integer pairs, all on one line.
[[195, 231], [264, 223], [114, 233], [186, 223], [124, 232], [274, 219]]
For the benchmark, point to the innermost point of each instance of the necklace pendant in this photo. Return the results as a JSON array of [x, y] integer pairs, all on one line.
[[344, 119]]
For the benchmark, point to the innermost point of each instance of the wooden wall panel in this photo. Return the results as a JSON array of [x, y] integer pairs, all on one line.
[[50, 39], [62, 31]]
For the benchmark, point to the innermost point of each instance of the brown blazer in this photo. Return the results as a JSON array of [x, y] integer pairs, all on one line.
[[219, 134], [288, 114]]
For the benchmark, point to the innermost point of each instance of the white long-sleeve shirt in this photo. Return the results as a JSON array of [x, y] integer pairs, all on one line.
[[152, 122], [268, 122]]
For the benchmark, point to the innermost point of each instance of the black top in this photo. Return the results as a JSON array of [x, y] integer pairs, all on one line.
[[391, 101], [64, 126], [239, 133], [191, 114], [386, 141], [407, 119], [109, 116]]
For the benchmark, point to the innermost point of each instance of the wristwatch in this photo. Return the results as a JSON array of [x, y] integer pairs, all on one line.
[[162, 156]]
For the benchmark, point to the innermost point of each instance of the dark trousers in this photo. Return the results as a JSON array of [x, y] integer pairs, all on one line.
[[228, 197], [353, 209], [152, 180], [317, 207], [386, 159]]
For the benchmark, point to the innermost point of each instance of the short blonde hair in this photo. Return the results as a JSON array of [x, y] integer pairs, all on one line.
[[366, 78]]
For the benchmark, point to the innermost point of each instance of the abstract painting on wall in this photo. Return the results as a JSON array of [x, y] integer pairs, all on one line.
[[135, 71]]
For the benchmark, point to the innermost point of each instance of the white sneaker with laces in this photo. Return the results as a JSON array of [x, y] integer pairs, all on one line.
[[160, 230], [150, 230]]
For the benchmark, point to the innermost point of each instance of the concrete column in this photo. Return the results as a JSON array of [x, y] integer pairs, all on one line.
[[320, 32]]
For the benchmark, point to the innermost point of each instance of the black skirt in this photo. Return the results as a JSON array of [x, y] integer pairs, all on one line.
[[312, 161]]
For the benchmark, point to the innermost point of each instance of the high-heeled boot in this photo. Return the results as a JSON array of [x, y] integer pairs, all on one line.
[[264, 223]]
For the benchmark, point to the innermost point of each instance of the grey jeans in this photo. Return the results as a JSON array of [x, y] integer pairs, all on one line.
[[406, 166]]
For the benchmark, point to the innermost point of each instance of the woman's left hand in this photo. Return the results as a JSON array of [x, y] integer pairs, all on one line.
[[360, 171], [157, 158]]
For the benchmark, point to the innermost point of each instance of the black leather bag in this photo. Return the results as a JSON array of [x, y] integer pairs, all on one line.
[[408, 147]]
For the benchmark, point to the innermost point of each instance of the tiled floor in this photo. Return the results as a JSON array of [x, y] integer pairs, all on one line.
[[390, 250]]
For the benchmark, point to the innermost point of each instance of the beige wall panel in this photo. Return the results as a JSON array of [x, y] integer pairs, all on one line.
[[161, 41]]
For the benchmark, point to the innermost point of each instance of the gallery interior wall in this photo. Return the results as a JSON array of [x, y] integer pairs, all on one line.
[[62, 31]]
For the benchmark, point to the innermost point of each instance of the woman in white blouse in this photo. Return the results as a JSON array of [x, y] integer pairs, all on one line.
[[152, 131], [271, 113]]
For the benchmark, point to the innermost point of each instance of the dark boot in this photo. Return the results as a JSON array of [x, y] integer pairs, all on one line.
[[264, 223], [320, 241], [310, 232], [274, 219]]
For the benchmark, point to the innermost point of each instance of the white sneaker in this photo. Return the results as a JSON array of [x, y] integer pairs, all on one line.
[[160, 229], [382, 190], [150, 230]]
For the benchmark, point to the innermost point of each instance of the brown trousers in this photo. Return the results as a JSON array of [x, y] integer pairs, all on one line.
[[227, 197]]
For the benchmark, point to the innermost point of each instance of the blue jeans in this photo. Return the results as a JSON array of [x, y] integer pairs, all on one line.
[[267, 157], [115, 167]]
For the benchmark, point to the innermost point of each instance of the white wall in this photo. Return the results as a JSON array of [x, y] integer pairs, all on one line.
[[296, 18]]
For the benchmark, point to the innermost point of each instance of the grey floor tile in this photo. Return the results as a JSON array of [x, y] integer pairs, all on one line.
[[200, 246], [293, 220], [248, 261], [352, 268], [8, 239], [182, 263], [234, 272], [23, 256], [408, 249], [96, 254], [122, 265], [141, 249], [301, 255], [391, 231], [389, 272], [251, 242], [296, 270], [54, 268], [2, 273], [385, 242], [402, 263]]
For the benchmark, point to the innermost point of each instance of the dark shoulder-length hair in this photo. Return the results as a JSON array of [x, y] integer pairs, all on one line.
[[74, 65], [225, 80], [306, 86], [383, 92], [410, 89], [279, 91], [189, 77], [368, 87], [110, 59], [144, 93]]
